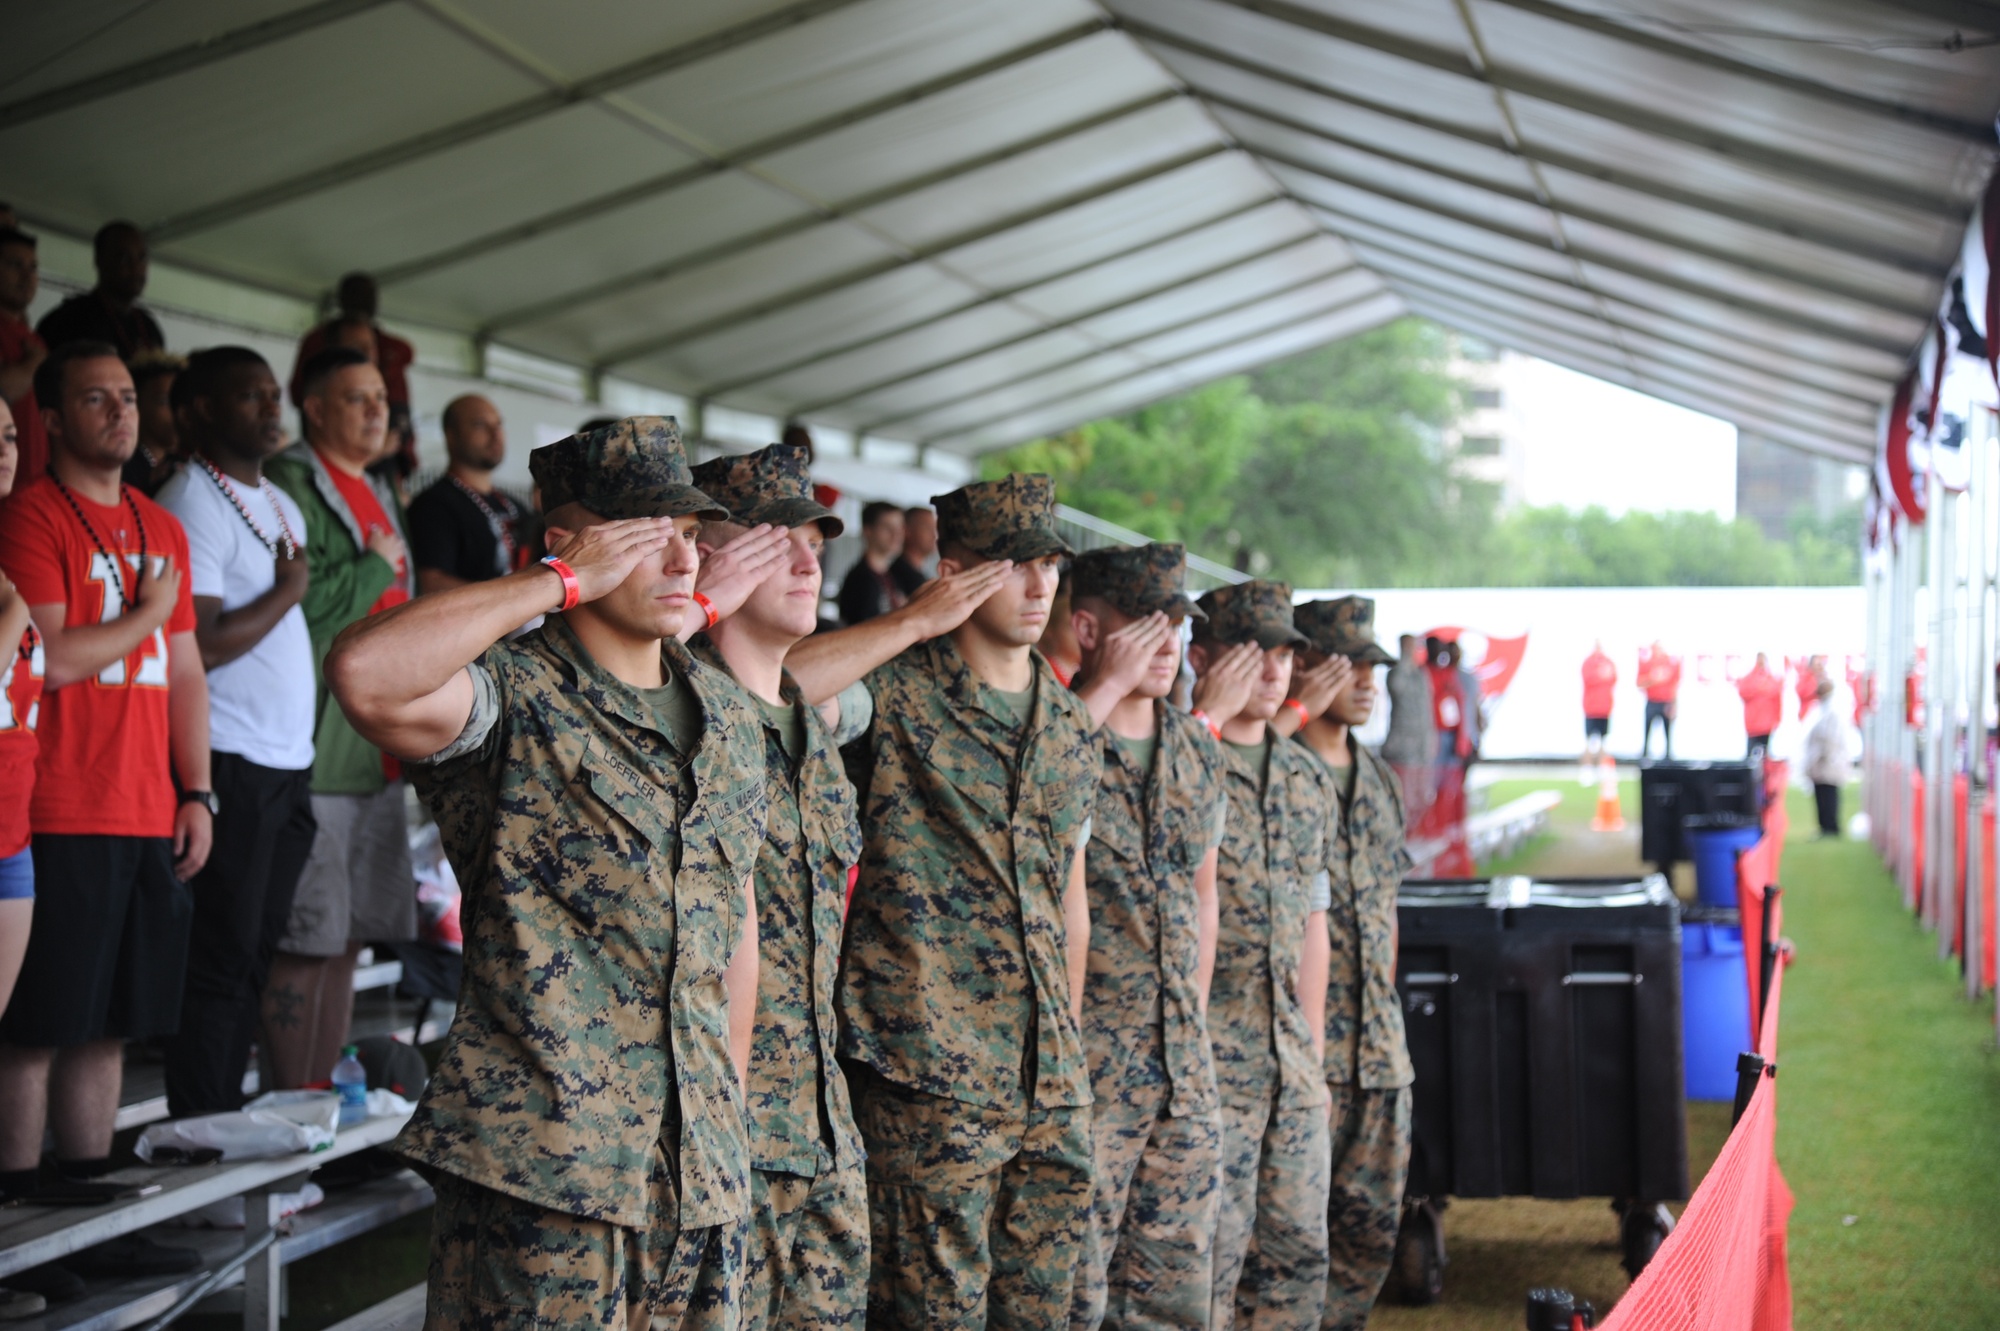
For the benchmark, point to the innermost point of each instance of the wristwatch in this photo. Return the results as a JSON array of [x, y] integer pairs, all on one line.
[[205, 798]]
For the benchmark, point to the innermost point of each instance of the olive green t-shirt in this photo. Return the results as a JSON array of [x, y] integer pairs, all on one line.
[[1017, 705], [1140, 751], [1258, 755], [674, 707], [791, 727]]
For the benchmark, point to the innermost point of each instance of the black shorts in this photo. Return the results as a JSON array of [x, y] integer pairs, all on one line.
[[108, 948], [1596, 727]]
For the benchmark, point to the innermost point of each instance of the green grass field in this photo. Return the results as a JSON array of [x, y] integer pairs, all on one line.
[[1889, 1106]]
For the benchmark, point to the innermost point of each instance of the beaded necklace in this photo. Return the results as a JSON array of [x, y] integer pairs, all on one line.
[[503, 532], [286, 539], [116, 566]]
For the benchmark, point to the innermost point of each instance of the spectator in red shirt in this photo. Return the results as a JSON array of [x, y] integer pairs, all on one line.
[[20, 702], [1660, 679], [124, 720], [109, 311], [358, 297], [1811, 676], [21, 350], [354, 326], [1763, 695], [1600, 677], [358, 886], [1447, 696]]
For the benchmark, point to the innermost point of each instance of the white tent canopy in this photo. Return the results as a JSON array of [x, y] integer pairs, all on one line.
[[965, 224]]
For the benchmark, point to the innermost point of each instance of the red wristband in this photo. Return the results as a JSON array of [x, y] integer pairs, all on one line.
[[572, 589], [707, 608], [1298, 710], [1213, 728]]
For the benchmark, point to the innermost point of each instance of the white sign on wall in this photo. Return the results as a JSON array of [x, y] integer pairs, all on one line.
[[1716, 631]]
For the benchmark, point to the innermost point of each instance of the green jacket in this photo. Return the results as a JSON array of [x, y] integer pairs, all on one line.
[[346, 578]]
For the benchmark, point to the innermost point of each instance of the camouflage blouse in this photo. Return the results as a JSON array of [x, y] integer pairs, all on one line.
[[801, 1121], [1148, 835], [602, 869], [1364, 1018], [1273, 849], [956, 980]]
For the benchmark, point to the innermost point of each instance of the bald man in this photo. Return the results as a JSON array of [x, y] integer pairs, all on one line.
[[464, 528]]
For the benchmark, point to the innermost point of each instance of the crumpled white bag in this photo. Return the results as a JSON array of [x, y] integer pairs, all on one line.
[[277, 1123]]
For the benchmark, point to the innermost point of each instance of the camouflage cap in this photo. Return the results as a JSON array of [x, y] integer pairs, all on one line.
[[772, 485], [1258, 611], [1011, 518], [1343, 627], [1137, 579], [633, 468]]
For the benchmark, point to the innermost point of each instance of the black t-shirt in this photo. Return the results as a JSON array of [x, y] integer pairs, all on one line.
[[864, 594], [88, 317], [449, 532], [907, 576]]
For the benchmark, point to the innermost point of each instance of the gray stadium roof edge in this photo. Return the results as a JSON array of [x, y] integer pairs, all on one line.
[[967, 224]]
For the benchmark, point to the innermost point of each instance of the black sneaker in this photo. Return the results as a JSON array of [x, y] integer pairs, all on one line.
[[132, 1256], [53, 1282]]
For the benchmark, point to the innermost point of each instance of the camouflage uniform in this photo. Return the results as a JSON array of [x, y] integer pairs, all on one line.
[[970, 1087], [1148, 1255], [1368, 1068], [584, 1126], [1270, 1245], [808, 1245]]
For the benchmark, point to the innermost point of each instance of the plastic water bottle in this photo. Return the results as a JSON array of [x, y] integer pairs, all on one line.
[[351, 1080]]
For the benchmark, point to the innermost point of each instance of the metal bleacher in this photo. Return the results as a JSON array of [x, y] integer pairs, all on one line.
[[253, 1258], [376, 1012], [241, 1269]]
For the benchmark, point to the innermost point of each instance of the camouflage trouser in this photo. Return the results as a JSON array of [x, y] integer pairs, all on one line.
[[807, 1264], [1371, 1158], [1148, 1253], [499, 1263], [1270, 1242], [976, 1215]]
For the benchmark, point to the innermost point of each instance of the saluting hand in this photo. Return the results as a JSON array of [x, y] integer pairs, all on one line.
[[948, 600], [603, 556], [731, 572], [1318, 687], [1225, 689], [1124, 655]]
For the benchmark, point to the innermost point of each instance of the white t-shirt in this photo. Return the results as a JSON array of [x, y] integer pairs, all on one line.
[[260, 706]]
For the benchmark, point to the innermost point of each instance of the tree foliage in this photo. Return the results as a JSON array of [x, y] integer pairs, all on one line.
[[1329, 469], [1557, 547]]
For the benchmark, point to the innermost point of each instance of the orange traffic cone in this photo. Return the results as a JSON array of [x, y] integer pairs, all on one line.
[[1609, 818]]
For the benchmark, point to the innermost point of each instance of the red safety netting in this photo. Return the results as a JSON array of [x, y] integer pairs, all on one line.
[[1987, 857], [1724, 1267], [1757, 869]]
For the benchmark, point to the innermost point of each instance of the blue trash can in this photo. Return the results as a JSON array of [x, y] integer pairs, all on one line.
[[1715, 1008], [1714, 840]]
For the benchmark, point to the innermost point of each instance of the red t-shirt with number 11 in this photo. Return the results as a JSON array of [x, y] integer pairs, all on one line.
[[105, 767]]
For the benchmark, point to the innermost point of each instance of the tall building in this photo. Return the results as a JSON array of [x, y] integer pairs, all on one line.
[[1486, 444], [1774, 481]]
